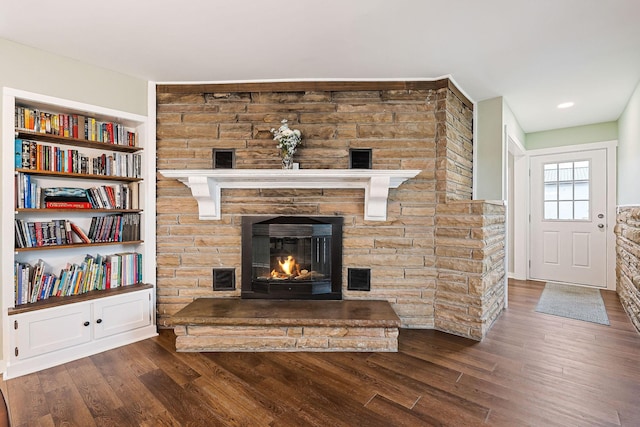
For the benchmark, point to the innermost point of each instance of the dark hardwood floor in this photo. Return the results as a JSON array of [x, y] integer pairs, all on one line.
[[532, 369]]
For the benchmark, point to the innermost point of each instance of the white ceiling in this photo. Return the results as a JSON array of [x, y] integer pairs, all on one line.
[[536, 54]]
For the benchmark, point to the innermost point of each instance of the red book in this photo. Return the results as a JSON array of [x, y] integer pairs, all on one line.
[[67, 205], [107, 274], [74, 127], [80, 233]]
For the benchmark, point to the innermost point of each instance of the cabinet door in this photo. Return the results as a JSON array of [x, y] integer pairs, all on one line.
[[121, 314], [45, 331]]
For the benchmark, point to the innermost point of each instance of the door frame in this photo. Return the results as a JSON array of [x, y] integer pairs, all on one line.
[[522, 197]]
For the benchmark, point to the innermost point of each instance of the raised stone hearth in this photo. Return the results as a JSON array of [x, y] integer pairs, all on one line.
[[212, 324]]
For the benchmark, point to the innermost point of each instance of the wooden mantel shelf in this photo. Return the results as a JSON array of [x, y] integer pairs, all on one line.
[[205, 184]]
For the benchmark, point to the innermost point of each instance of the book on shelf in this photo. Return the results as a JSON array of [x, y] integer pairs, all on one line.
[[103, 229], [27, 192], [81, 234], [67, 205], [115, 228], [30, 195], [75, 126], [43, 157], [40, 233], [93, 273], [66, 198]]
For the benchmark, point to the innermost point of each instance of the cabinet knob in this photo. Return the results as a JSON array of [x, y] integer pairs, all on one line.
[[86, 323], [99, 321]]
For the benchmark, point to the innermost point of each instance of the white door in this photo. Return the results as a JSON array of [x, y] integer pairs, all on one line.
[[568, 218]]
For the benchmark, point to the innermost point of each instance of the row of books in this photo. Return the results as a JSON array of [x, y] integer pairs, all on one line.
[[104, 229], [34, 156], [74, 126], [30, 195], [46, 233], [114, 228], [33, 283], [119, 196]]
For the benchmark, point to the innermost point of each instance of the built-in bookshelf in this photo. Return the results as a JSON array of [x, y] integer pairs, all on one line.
[[79, 224]]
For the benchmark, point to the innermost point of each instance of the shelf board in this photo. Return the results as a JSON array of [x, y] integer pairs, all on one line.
[[77, 245], [91, 295], [77, 175], [84, 210], [57, 139]]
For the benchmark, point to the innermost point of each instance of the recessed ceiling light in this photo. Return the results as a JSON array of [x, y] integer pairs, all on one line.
[[565, 105]]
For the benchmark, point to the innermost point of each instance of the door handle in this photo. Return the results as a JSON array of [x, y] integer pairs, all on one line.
[[600, 225]]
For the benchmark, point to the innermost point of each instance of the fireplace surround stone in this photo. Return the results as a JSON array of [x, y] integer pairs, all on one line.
[[437, 258]]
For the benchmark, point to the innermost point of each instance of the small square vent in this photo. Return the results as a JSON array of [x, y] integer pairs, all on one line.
[[360, 158], [224, 279], [224, 159], [359, 279]]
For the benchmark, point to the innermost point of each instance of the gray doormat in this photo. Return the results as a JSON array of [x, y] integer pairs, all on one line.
[[574, 302]]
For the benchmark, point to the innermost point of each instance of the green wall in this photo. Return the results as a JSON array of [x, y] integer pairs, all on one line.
[[629, 152], [598, 132], [34, 70], [489, 147], [492, 116]]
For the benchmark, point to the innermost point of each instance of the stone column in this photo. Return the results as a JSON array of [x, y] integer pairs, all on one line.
[[470, 255]]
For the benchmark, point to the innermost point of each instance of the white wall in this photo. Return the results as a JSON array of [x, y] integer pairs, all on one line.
[[629, 152]]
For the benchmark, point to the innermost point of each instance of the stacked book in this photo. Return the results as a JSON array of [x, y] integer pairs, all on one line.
[[66, 198], [117, 196]]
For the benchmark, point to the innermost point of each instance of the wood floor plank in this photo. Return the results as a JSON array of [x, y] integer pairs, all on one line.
[[398, 415], [182, 404], [99, 398], [167, 361], [27, 399], [344, 400], [65, 405], [139, 405], [532, 369]]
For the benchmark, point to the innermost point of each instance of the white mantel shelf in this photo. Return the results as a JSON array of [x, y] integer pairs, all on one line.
[[205, 184]]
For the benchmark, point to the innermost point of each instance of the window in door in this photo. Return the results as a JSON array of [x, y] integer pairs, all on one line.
[[566, 191]]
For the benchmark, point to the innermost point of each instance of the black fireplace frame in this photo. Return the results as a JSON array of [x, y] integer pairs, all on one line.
[[289, 289]]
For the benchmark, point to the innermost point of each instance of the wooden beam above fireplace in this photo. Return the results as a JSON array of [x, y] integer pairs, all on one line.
[[206, 184]]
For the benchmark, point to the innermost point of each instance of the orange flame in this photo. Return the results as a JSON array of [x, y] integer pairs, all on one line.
[[288, 266]]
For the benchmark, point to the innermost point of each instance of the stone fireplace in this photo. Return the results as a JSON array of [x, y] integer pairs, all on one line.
[[291, 257], [435, 255]]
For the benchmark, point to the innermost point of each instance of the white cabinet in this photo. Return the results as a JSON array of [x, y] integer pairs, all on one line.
[[49, 337], [39, 332], [120, 314]]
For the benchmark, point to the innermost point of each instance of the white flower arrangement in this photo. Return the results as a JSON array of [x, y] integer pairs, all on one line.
[[288, 139]]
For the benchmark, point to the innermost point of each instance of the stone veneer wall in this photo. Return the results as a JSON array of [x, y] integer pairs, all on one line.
[[628, 261], [470, 260], [409, 125]]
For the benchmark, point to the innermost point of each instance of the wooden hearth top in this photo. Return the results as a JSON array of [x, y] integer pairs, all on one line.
[[260, 312]]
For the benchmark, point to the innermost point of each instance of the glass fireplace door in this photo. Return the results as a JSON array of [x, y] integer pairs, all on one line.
[[292, 259]]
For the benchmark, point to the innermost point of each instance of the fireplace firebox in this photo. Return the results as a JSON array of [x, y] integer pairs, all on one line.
[[292, 257]]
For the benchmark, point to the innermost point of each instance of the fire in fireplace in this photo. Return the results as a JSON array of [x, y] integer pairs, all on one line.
[[290, 257]]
